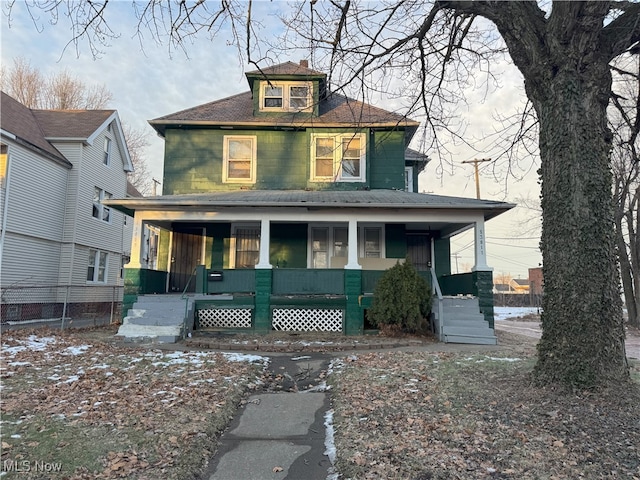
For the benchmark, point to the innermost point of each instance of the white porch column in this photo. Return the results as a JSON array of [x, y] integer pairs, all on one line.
[[352, 257], [137, 242], [265, 235], [480, 248]]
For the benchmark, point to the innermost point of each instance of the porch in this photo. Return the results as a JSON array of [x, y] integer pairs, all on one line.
[[259, 301]]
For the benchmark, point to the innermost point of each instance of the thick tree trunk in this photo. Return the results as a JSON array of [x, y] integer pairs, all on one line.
[[583, 333], [567, 79]]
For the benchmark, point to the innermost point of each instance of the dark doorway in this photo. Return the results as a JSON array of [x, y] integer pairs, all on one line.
[[419, 250], [186, 253]]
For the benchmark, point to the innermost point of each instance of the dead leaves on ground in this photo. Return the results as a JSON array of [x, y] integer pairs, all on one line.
[[428, 416], [172, 399]]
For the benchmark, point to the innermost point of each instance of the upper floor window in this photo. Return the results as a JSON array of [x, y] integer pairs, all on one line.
[[285, 96], [340, 158], [239, 159], [107, 151], [408, 179], [97, 269], [100, 211]]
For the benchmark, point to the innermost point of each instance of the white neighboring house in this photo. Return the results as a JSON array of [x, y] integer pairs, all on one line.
[[58, 243]]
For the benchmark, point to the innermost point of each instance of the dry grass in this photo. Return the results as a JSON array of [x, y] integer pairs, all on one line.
[[459, 416], [96, 410]]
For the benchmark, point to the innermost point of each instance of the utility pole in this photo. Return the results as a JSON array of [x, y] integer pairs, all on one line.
[[456, 256], [155, 185], [475, 162]]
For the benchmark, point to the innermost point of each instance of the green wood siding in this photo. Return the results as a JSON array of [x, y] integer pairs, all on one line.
[[395, 240], [194, 160], [442, 251], [288, 281], [387, 167], [219, 234], [288, 248]]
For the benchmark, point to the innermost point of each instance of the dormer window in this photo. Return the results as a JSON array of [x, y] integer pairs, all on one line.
[[278, 96]]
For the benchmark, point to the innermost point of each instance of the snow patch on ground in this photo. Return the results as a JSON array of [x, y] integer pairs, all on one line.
[[504, 313], [33, 342], [330, 445], [244, 357]]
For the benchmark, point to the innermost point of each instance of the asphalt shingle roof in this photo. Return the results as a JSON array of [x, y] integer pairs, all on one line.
[[20, 121], [80, 124], [315, 198], [334, 110]]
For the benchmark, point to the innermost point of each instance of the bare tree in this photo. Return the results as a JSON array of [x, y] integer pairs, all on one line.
[[625, 121], [137, 142], [23, 82], [563, 52], [59, 91], [62, 91]]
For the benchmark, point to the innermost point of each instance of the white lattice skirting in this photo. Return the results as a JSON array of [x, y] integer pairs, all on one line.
[[307, 320], [224, 318]]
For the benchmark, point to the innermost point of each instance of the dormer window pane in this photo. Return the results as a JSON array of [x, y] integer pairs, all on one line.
[[272, 97], [299, 97]]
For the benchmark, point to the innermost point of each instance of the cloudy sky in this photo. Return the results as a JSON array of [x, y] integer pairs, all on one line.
[[149, 81]]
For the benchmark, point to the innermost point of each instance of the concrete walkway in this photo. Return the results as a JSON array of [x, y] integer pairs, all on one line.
[[280, 434]]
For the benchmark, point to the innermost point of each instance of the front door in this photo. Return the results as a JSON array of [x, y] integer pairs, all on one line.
[[186, 254], [419, 250]]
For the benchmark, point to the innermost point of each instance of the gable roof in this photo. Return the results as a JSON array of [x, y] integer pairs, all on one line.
[[71, 124], [36, 129], [83, 126], [19, 121]]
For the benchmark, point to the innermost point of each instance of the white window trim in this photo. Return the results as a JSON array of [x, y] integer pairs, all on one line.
[[408, 179], [225, 162], [106, 159], [96, 266], [361, 247], [331, 240], [232, 241], [337, 157], [102, 208], [286, 85]]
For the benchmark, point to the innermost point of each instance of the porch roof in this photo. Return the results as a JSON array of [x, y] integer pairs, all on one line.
[[321, 199]]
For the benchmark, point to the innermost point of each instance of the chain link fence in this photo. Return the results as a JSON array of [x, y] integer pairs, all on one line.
[[68, 305]]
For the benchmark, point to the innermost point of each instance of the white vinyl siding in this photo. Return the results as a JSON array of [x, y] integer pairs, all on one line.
[[36, 204], [29, 261], [90, 172], [50, 228]]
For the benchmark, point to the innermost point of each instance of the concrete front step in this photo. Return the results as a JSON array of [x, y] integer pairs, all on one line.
[[456, 322], [478, 330], [156, 318], [475, 340]]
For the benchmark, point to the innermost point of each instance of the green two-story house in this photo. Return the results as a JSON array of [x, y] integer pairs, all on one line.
[[283, 205]]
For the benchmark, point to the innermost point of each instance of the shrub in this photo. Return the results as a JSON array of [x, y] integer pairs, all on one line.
[[401, 299]]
